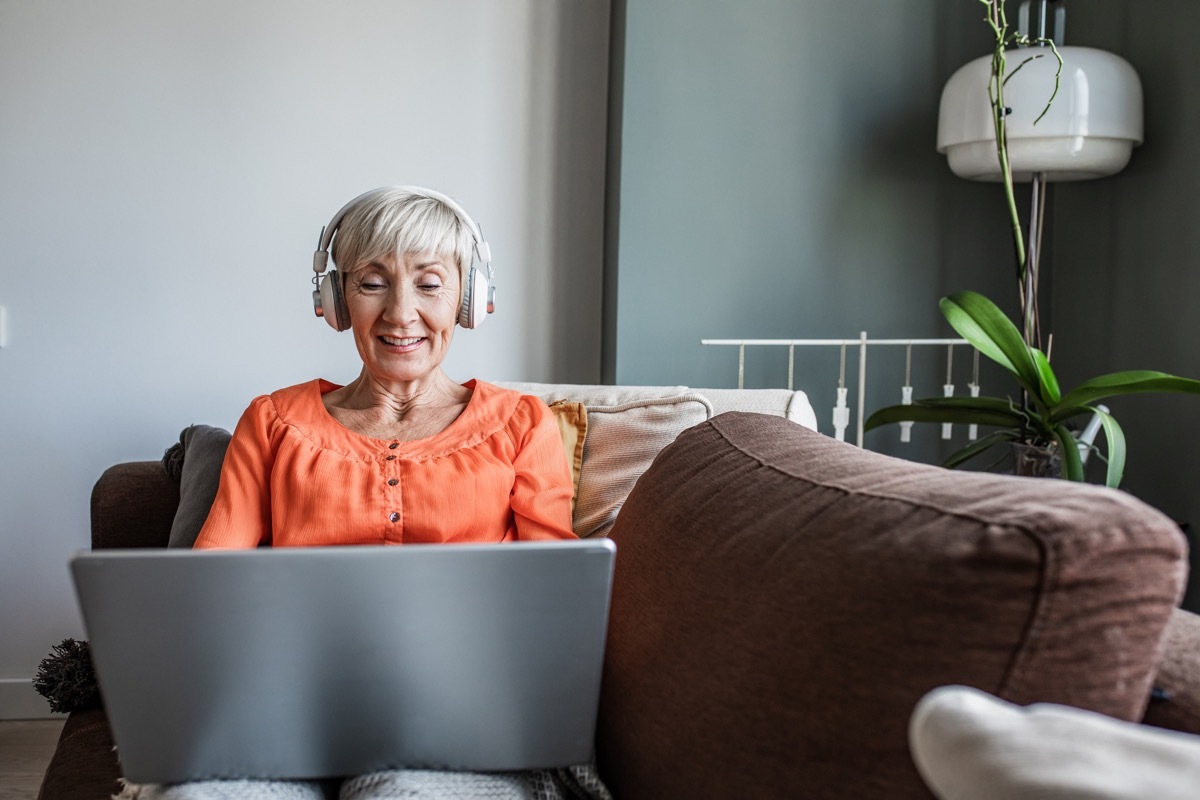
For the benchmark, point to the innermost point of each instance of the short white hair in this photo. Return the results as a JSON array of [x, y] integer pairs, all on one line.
[[394, 222]]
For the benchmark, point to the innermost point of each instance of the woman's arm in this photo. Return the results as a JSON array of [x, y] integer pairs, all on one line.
[[240, 516], [542, 488]]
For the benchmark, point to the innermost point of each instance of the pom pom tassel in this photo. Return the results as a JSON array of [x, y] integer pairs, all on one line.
[[66, 679]]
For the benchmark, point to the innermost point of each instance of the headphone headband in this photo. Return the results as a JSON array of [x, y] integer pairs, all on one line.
[[482, 250]]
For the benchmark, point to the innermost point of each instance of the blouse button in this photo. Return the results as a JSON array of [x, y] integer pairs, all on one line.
[[393, 482], [393, 445], [391, 458], [394, 517]]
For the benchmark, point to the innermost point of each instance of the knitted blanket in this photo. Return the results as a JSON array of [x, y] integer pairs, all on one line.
[[571, 783]]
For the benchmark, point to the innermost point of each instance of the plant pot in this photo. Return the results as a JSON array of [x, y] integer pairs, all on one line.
[[1036, 461]]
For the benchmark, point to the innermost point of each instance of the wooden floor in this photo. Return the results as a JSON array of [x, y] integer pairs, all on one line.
[[25, 750]]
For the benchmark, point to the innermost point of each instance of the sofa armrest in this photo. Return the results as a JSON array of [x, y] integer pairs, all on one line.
[[1177, 705], [133, 505], [84, 765], [782, 600]]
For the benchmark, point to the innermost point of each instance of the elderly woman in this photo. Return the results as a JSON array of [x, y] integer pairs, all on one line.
[[402, 453]]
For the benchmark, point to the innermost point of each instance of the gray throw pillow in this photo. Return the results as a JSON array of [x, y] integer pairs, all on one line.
[[198, 457]]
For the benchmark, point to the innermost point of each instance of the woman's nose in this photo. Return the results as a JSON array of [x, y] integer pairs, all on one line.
[[401, 307]]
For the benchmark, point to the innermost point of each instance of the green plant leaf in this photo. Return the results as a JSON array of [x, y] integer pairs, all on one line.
[[1114, 438], [979, 446], [980, 322], [1120, 383], [960, 410], [1069, 447], [1046, 378]]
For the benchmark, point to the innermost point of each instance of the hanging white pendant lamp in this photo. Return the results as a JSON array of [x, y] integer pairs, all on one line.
[[1089, 131]]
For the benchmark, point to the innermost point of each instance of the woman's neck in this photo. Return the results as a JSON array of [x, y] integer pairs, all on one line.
[[407, 411]]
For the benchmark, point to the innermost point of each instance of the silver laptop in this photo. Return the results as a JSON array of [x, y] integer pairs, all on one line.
[[323, 662]]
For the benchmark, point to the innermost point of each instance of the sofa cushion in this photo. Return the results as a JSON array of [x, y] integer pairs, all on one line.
[[199, 455], [1176, 704], [783, 600], [779, 402]]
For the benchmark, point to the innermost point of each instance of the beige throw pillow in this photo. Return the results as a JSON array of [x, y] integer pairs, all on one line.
[[572, 426]]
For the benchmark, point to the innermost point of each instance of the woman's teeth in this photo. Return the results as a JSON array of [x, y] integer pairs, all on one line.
[[400, 342]]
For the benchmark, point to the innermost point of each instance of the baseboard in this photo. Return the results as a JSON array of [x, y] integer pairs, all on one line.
[[19, 700]]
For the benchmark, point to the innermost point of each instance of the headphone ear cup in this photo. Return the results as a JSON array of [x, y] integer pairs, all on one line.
[[464, 308], [474, 310], [333, 303]]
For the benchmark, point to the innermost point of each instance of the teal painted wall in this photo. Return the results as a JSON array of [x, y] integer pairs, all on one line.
[[778, 178], [1127, 255]]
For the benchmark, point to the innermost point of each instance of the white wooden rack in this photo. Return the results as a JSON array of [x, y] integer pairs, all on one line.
[[841, 411]]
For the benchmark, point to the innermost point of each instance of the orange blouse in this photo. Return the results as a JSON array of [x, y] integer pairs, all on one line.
[[294, 476]]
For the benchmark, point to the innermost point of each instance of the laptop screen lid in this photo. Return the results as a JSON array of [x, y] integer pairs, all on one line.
[[323, 662]]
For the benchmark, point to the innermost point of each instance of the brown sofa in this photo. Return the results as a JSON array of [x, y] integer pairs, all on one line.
[[783, 600]]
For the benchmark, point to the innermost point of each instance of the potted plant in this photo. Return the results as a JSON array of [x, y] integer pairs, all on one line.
[[1037, 421], [1039, 418]]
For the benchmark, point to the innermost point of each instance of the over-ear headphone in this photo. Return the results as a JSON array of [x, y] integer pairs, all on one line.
[[478, 295]]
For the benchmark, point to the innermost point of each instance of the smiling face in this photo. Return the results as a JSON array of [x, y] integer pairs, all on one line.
[[403, 309]]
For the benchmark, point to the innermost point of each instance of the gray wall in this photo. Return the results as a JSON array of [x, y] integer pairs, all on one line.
[[165, 170]]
